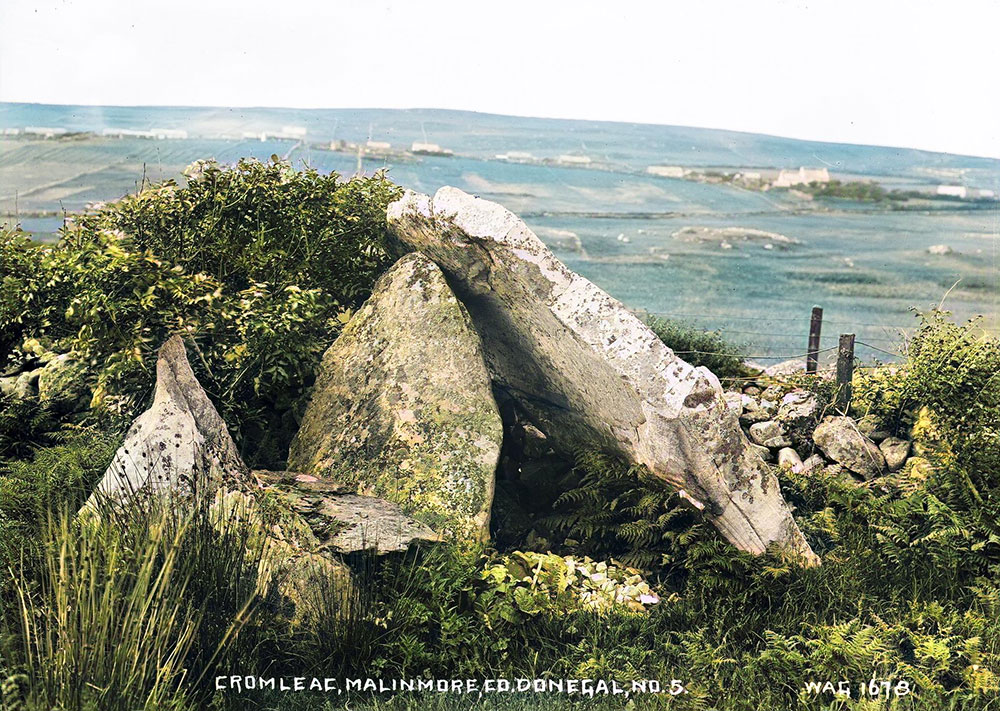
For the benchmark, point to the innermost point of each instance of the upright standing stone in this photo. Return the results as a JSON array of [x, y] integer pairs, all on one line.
[[179, 444], [589, 373], [403, 407]]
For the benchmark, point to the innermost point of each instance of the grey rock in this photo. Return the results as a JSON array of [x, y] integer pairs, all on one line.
[[779, 442], [180, 444], [588, 372], [839, 439], [62, 385], [26, 385], [813, 463], [344, 522], [403, 407], [7, 385], [757, 411], [895, 451], [789, 459], [763, 452], [734, 401], [798, 406], [763, 432]]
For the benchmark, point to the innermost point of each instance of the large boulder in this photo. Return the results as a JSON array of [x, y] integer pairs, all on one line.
[[180, 444], [588, 372], [895, 451], [839, 439], [403, 407], [62, 384]]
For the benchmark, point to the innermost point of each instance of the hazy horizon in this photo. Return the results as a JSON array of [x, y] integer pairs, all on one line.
[[721, 129], [845, 72]]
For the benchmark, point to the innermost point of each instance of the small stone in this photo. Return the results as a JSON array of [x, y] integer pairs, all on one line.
[[777, 442], [773, 393], [751, 390], [839, 439], [26, 385], [762, 432], [788, 458], [763, 452], [813, 463], [895, 451], [798, 405]]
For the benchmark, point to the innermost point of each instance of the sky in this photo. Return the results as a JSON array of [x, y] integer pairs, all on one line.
[[911, 73]]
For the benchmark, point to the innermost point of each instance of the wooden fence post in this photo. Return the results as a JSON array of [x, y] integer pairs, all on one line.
[[812, 352], [845, 371]]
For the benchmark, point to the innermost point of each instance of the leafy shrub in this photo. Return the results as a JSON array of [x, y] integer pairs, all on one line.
[[701, 348], [258, 223], [532, 583], [257, 265]]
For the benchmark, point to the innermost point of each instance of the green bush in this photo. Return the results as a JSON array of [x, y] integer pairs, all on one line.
[[701, 348], [257, 265]]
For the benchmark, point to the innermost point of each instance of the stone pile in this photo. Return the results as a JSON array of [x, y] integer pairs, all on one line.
[[793, 428], [55, 379]]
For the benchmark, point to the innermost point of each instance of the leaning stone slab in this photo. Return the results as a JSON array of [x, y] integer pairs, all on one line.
[[179, 444], [403, 407], [839, 439], [588, 372], [344, 522]]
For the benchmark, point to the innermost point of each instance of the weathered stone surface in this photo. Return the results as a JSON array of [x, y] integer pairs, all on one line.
[[869, 427], [26, 385], [755, 410], [61, 384], [764, 433], [895, 451], [839, 439], [344, 522], [789, 459], [179, 444], [8, 385], [798, 406], [403, 408], [734, 401], [763, 452], [812, 463], [588, 372]]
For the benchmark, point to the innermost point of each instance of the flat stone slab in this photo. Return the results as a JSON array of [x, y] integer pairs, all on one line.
[[344, 522]]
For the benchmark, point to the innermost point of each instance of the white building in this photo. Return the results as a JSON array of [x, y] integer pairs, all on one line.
[[378, 145], [127, 133], [429, 149], [802, 176], [11, 131], [959, 191], [516, 156], [666, 171], [169, 133], [44, 131], [574, 160]]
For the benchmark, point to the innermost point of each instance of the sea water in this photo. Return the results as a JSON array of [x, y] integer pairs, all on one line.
[[867, 266]]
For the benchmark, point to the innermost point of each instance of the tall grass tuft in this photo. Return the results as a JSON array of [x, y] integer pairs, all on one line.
[[129, 612]]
